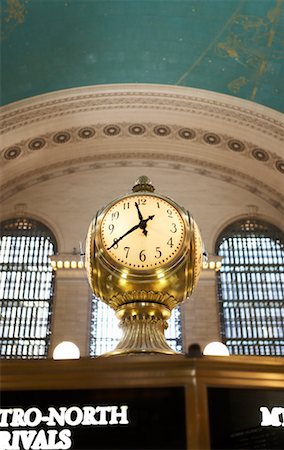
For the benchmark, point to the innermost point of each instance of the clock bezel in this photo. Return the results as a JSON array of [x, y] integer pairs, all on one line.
[[116, 266]]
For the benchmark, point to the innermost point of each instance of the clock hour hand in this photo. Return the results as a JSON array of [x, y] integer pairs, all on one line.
[[143, 224], [125, 234], [139, 212]]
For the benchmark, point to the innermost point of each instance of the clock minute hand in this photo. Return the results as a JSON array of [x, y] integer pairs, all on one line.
[[125, 234]]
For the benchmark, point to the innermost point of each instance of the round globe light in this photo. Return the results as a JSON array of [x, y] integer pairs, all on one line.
[[216, 349], [66, 350]]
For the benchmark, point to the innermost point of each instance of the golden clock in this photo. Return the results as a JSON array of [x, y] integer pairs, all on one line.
[[143, 258]]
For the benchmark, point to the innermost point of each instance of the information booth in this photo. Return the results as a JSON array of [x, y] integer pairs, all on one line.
[[143, 402]]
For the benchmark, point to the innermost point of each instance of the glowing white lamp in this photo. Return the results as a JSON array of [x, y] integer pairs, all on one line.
[[216, 349], [66, 350]]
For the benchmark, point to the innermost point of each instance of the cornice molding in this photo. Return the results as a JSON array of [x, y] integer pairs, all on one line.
[[129, 97]]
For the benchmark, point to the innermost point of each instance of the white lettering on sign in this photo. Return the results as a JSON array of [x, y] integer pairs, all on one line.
[[273, 418], [55, 417], [53, 439], [34, 440]]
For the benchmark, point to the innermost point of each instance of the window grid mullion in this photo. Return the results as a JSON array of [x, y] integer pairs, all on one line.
[[27, 289], [250, 286]]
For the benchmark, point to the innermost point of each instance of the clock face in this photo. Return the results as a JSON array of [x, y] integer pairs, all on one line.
[[142, 232]]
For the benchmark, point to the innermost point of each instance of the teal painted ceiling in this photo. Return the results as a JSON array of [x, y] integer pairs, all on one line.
[[230, 46]]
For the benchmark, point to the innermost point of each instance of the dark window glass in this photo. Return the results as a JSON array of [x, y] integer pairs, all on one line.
[[245, 419], [251, 288], [26, 288], [105, 332]]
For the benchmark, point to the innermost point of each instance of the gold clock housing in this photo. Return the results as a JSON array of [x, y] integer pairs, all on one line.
[[143, 257]]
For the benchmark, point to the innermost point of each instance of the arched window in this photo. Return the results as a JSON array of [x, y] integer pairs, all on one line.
[[251, 288], [105, 332], [26, 288]]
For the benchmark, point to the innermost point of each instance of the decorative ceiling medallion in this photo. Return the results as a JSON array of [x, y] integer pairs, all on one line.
[[136, 129], [280, 165], [12, 153], [112, 130], [187, 133], [162, 130], [260, 154], [37, 143], [211, 138], [62, 137], [86, 133], [236, 146]]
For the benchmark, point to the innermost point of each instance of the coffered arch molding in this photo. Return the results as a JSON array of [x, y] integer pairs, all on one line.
[[176, 114]]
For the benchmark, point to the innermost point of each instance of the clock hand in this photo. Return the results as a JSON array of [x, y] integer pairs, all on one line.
[[139, 212], [143, 224], [125, 234]]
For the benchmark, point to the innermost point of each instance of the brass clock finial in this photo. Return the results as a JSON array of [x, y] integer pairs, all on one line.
[[143, 183]]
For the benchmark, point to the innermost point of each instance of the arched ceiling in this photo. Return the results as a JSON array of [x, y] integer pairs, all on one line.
[[233, 47], [66, 153], [98, 92]]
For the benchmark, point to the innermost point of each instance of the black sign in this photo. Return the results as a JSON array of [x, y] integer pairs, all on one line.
[[93, 419], [246, 418]]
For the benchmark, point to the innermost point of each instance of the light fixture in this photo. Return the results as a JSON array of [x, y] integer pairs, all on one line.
[[216, 349], [212, 262], [66, 350], [66, 261]]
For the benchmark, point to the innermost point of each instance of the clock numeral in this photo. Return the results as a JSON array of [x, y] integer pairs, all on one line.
[[159, 253], [174, 228], [158, 205], [126, 205], [170, 213], [115, 215], [126, 249], [170, 242], [141, 201], [115, 244], [111, 228], [142, 256]]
